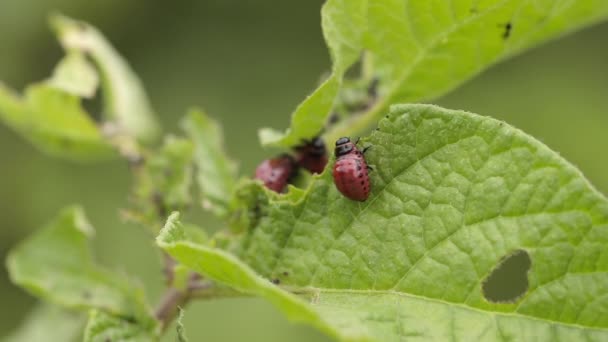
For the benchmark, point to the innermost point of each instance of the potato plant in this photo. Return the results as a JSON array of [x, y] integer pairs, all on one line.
[[456, 198]]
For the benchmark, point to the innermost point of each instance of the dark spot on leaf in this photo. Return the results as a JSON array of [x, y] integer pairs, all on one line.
[[362, 182], [276, 281], [107, 339], [86, 294], [129, 319], [473, 10], [285, 273], [372, 89], [509, 279], [507, 33], [334, 118], [255, 214]]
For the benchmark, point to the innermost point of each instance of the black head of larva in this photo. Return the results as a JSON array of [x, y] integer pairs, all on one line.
[[317, 147], [318, 143], [343, 146], [342, 141]]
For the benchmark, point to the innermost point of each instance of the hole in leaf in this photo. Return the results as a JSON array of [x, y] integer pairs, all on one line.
[[509, 280]]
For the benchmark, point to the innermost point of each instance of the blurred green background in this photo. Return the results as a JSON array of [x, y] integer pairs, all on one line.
[[249, 64]]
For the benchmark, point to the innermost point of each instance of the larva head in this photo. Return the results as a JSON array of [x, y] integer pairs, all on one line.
[[343, 147], [312, 155]]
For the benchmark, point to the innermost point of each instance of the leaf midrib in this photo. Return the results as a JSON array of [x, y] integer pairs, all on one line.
[[316, 291]]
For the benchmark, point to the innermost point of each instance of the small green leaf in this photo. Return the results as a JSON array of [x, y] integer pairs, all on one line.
[[196, 233], [124, 97], [103, 327], [452, 195], [181, 331], [55, 264], [54, 122], [308, 119], [343, 27], [75, 75], [48, 323], [163, 183], [216, 173]]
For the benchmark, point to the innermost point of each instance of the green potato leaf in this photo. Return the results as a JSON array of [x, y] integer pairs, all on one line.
[[56, 265], [422, 49], [48, 322], [75, 75], [215, 172], [125, 100], [343, 27], [453, 195], [163, 183], [103, 327], [419, 50], [225, 268], [53, 120]]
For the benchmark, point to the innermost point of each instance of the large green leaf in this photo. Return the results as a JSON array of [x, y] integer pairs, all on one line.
[[216, 173], [55, 264], [103, 327], [422, 49], [54, 121], [125, 100], [452, 195]]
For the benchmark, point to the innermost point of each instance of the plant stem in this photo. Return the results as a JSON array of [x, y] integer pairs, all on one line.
[[173, 298], [167, 308]]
